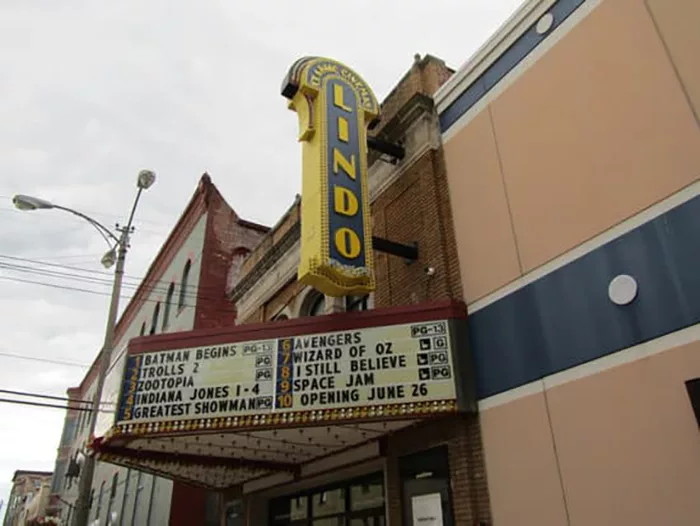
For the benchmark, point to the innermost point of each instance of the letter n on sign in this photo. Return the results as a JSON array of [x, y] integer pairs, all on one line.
[[335, 107]]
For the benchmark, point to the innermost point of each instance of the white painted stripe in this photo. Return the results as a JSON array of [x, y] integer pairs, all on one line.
[[629, 355], [545, 45], [654, 211]]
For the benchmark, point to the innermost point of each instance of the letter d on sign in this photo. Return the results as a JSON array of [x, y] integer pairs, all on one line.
[[345, 201]]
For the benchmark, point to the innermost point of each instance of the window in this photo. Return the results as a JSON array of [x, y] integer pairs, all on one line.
[[154, 322], [280, 317], [693, 387], [356, 303], [357, 502], [112, 495], [168, 303], [317, 306], [143, 329], [183, 284], [98, 508]]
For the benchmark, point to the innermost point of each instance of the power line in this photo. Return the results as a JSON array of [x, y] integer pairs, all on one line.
[[155, 287], [44, 360], [104, 214], [50, 397], [148, 289], [41, 404], [74, 289]]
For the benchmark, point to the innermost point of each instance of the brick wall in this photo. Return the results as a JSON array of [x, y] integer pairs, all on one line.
[[468, 485], [225, 235], [416, 209], [282, 299]]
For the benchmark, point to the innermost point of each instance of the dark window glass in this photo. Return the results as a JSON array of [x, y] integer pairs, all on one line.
[[358, 502], [317, 306], [211, 509], [328, 502], [234, 513], [112, 495], [143, 329], [154, 322], [168, 304], [356, 303], [98, 508], [184, 284], [287, 510]]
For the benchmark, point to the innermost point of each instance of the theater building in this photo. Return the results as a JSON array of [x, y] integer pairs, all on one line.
[[548, 190], [374, 417], [572, 147]]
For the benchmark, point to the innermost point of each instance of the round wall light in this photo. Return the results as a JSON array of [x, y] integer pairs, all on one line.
[[622, 289], [545, 23]]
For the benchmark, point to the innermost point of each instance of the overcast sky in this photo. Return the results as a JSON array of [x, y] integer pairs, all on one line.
[[93, 91]]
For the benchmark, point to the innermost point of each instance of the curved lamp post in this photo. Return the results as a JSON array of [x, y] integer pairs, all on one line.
[[116, 254]]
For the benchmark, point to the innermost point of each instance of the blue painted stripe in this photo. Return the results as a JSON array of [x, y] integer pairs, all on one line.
[[565, 318], [510, 58]]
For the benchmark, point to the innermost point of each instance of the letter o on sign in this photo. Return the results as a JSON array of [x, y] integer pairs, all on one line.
[[347, 242]]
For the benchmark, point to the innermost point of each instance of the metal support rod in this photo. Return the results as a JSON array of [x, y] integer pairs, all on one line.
[[407, 252], [396, 151]]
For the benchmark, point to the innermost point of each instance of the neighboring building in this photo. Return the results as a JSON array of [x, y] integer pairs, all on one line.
[[184, 288], [28, 497], [572, 145]]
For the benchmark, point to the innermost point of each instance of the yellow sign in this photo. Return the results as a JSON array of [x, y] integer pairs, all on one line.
[[335, 107]]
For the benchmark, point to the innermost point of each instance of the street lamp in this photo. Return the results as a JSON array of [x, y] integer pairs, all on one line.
[[115, 254]]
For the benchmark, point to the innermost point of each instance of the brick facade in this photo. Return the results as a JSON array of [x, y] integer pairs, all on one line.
[[468, 487], [225, 235], [410, 205]]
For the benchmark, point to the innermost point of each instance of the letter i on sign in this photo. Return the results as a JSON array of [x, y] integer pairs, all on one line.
[[339, 101]]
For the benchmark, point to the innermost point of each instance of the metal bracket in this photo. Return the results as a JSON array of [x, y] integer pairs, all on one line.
[[407, 252], [395, 151]]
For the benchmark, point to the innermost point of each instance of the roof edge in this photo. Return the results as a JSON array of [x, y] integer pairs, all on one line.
[[514, 26]]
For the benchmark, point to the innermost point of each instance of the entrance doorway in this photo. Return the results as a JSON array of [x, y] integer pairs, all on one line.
[[425, 481], [358, 502]]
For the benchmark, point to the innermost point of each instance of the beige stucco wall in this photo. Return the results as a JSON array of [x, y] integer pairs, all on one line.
[[621, 445], [596, 130], [677, 22]]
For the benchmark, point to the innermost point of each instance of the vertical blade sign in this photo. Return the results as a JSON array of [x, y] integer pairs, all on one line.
[[335, 107]]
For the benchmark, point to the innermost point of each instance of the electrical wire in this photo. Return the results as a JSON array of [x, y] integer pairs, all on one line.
[[77, 289], [41, 404], [190, 291], [44, 360], [109, 275], [50, 397], [198, 295]]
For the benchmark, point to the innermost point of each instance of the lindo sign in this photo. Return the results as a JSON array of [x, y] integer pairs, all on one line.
[[334, 106]]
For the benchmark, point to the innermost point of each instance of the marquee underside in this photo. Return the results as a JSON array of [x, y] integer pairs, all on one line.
[[223, 459]]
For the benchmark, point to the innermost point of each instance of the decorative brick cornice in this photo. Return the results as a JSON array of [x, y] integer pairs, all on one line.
[[268, 260]]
